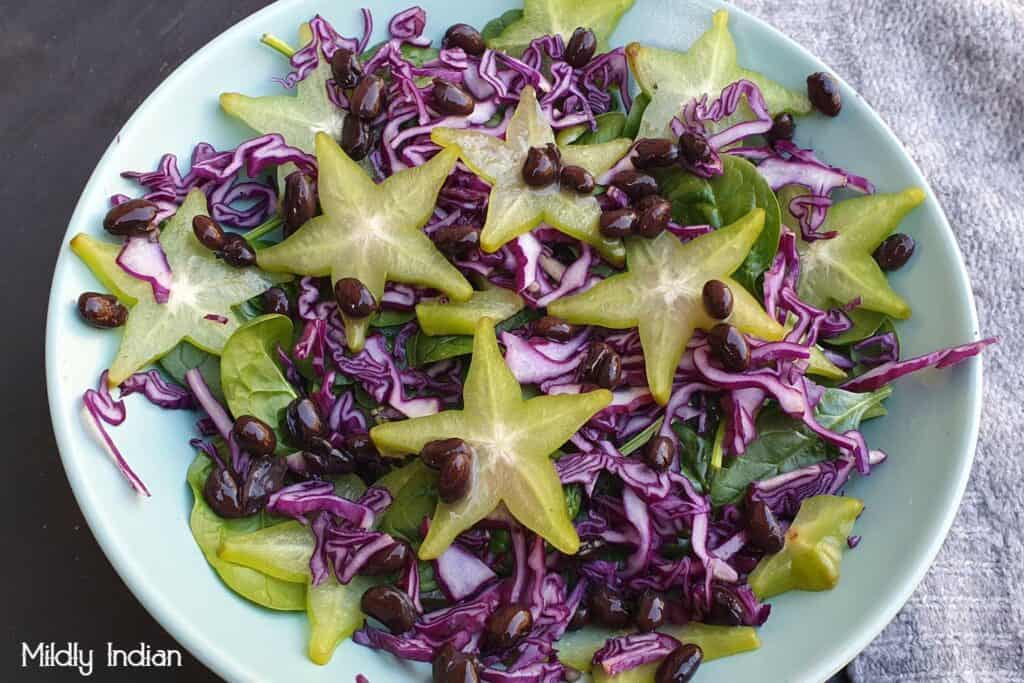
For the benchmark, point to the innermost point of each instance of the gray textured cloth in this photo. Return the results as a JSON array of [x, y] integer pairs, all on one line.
[[946, 76]]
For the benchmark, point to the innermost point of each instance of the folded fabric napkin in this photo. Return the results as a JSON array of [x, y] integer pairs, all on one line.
[[946, 76]]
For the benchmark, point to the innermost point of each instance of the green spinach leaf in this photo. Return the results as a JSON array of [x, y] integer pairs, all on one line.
[[494, 27], [392, 318], [185, 357], [694, 455], [865, 324], [609, 127], [415, 500], [841, 410], [422, 349], [636, 115]]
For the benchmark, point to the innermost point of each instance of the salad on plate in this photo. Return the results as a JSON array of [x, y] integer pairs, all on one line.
[[503, 365]]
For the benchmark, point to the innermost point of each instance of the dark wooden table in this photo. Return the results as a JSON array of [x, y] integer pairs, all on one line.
[[73, 73]]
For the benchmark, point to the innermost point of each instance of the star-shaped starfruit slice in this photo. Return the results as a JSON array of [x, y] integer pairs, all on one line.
[[661, 295], [514, 207], [838, 270], [672, 79], [512, 440], [561, 17], [203, 292], [298, 118], [370, 232]]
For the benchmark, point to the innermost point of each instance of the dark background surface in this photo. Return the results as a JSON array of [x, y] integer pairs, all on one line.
[[73, 72]]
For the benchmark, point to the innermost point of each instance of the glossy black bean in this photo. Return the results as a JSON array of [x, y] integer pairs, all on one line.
[[323, 458], [783, 128], [101, 310], [300, 201], [618, 223], [436, 453], [730, 347], [580, 618], [367, 101], [265, 478], [237, 251], [553, 328], [655, 217], [452, 666], [763, 529], [659, 453], [577, 179], [540, 168], [457, 240], [635, 184], [388, 560], [369, 464], [681, 665], [133, 218], [506, 626], [254, 436], [275, 300], [608, 608], [223, 494], [694, 148], [580, 48], [354, 299], [602, 365], [209, 234], [650, 611], [451, 100], [655, 153], [346, 69], [456, 476], [717, 298], [726, 608], [303, 422], [389, 606], [356, 138], [823, 91], [894, 252], [466, 37]]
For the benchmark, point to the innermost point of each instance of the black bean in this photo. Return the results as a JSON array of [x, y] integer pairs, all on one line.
[[540, 168], [457, 240], [387, 560], [456, 476], [356, 138], [590, 547], [389, 606], [466, 37], [275, 300], [369, 464], [323, 458], [133, 218], [580, 618], [265, 478], [254, 436], [581, 47], [223, 494], [681, 665], [783, 127], [300, 201], [655, 217], [763, 529], [303, 422], [367, 101], [452, 666], [655, 153], [895, 251], [694, 148], [451, 100], [618, 223], [650, 611], [602, 365], [101, 310], [237, 251], [577, 179], [717, 299], [608, 608], [730, 347], [506, 626], [823, 92], [635, 184], [354, 299], [659, 453], [726, 608], [346, 69], [209, 234], [436, 453], [553, 328]]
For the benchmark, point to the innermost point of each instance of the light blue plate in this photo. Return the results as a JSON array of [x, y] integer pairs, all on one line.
[[911, 500]]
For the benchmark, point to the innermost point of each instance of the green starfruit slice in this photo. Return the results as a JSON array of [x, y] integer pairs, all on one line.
[[203, 289], [370, 232], [514, 207], [297, 118], [281, 551], [672, 79], [512, 441], [461, 318], [813, 550], [561, 17], [334, 614]]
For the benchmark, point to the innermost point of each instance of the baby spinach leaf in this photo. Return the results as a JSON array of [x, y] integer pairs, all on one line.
[[695, 453], [636, 115], [422, 349], [609, 127], [573, 499], [392, 318], [185, 357], [841, 410], [415, 500], [494, 27], [865, 324]]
